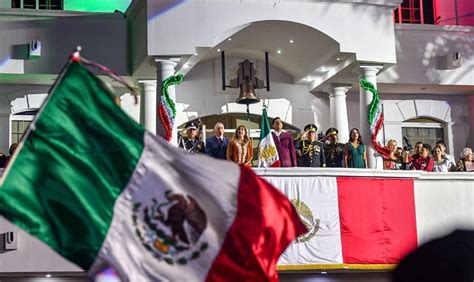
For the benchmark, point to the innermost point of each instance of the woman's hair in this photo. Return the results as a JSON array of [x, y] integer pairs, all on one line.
[[359, 139], [391, 141], [246, 136], [465, 152], [12, 148]]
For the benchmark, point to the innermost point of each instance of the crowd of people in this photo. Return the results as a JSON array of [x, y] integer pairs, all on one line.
[[427, 158], [308, 150], [323, 150]]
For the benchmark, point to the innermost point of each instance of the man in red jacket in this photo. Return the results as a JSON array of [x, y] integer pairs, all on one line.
[[284, 143], [422, 161]]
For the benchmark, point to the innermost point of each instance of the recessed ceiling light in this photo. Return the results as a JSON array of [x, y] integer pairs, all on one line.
[[338, 59], [279, 51], [196, 54], [186, 66], [291, 41], [324, 272], [229, 39], [218, 50], [48, 275]]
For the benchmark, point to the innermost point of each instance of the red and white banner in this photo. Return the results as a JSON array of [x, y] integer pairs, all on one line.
[[370, 222]]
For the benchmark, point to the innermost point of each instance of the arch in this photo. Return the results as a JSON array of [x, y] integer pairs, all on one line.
[[399, 114], [311, 47]]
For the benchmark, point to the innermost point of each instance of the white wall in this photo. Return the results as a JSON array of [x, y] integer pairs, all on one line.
[[417, 49], [31, 255], [452, 111], [103, 38], [366, 30]]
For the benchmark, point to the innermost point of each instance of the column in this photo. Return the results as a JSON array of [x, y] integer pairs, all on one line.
[[165, 69], [148, 105], [338, 109], [369, 73]]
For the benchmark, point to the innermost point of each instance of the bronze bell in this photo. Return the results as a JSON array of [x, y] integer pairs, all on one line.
[[247, 94]]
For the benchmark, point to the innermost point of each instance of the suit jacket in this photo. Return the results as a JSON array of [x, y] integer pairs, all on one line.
[[216, 149], [285, 148]]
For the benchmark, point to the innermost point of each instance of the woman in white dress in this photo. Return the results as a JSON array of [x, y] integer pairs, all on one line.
[[441, 164]]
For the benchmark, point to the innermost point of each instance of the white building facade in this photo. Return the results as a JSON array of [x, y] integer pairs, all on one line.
[[318, 51]]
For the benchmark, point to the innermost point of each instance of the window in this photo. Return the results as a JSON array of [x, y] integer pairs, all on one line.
[[423, 130], [415, 12], [38, 4], [16, 4], [18, 129], [29, 4], [50, 4], [19, 123]]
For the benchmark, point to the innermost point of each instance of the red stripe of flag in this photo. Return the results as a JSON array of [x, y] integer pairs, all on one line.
[[377, 218], [264, 226]]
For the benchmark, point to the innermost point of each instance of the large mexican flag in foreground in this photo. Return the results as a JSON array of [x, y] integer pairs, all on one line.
[[94, 186]]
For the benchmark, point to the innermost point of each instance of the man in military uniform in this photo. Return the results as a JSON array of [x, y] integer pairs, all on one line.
[[191, 143], [334, 151], [309, 151]]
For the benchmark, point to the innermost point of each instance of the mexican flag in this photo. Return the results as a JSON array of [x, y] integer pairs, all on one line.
[[101, 191], [267, 151], [375, 118]]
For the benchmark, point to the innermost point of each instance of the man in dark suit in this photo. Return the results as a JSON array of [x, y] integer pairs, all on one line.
[[216, 146]]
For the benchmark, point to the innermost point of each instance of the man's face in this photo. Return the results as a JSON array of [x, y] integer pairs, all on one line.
[[312, 135], [219, 129], [191, 133], [332, 138], [419, 148], [398, 153], [278, 125], [424, 152]]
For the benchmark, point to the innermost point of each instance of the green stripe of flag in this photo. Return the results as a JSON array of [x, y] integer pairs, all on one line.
[[71, 168], [264, 125]]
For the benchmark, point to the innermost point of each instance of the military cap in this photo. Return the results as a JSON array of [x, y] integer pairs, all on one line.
[[332, 131], [191, 125], [310, 127]]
